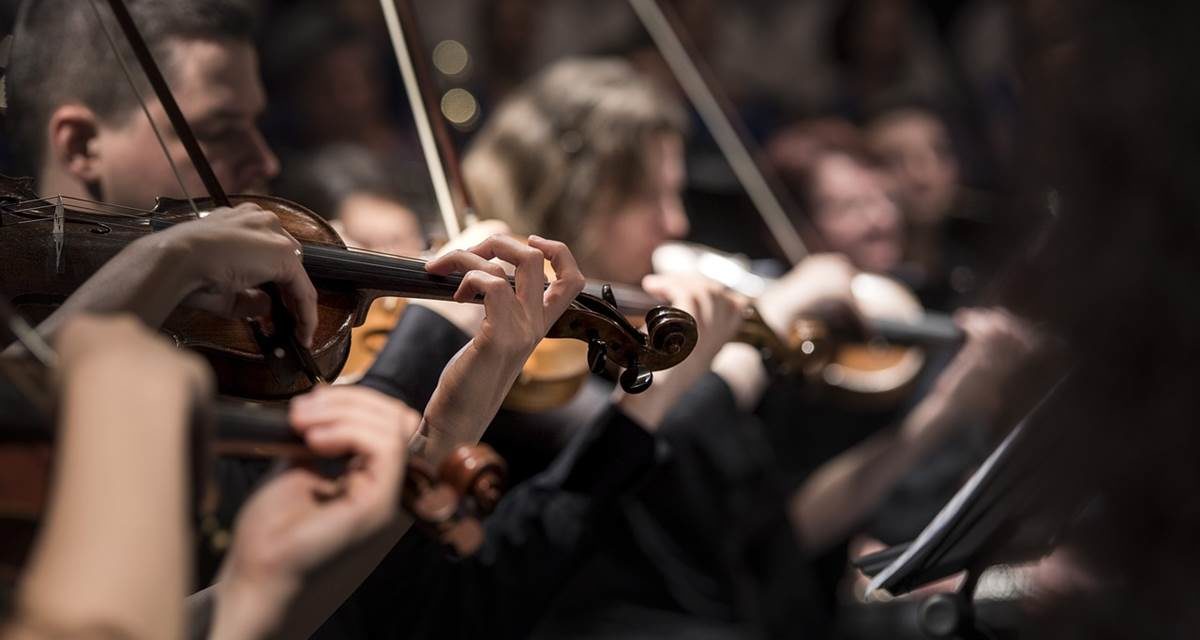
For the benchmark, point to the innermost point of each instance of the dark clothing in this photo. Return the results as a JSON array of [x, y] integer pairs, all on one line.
[[540, 532], [704, 549]]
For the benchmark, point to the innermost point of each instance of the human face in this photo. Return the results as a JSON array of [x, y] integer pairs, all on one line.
[[379, 224], [217, 87], [855, 215], [916, 155], [627, 238]]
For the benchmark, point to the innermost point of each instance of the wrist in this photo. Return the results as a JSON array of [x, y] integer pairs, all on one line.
[[469, 393], [174, 259], [248, 609]]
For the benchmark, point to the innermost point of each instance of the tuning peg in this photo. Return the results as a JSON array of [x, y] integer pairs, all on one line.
[[606, 293], [635, 379], [597, 356]]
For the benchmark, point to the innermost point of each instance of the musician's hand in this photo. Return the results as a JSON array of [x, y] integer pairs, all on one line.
[[467, 317], [719, 314], [476, 381], [820, 285], [119, 347], [998, 345], [299, 520], [514, 320], [230, 252]]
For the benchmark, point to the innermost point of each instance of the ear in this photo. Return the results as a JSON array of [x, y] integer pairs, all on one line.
[[73, 136]]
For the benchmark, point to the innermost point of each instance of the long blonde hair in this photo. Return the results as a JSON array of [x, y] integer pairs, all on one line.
[[569, 144]]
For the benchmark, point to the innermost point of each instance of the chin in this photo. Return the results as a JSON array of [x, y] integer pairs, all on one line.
[[880, 261]]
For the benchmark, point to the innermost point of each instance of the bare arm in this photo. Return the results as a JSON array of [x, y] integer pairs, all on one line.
[[118, 509], [844, 490]]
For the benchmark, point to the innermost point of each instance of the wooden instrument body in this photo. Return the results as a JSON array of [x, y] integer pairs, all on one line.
[[871, 371], [44, 267]]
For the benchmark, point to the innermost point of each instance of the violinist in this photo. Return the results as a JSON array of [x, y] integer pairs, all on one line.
[[361, 197], [82, 134], [593, 152]]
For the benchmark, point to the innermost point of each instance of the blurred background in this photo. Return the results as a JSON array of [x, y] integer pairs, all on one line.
[[800, 73], [927, 85]]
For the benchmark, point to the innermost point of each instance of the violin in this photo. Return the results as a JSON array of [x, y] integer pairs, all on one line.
[[873, 365], [447, 502], [54, 245]]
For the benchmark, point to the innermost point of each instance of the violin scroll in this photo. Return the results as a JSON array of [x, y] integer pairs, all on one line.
[[614, 343], [450, 502]]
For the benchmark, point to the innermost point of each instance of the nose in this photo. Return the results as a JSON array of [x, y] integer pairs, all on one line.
[[262, 164], [884, 214], [675, 222]]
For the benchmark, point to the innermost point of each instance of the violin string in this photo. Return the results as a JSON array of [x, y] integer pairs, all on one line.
[[343, 256]]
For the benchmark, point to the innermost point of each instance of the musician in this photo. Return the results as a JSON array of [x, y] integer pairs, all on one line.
[[361, 197], [83, 135], [954, 243], [593, 151]]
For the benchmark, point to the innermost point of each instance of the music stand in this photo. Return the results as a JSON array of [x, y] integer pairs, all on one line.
[[980, 526]]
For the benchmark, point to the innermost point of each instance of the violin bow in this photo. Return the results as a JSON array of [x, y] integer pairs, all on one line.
[[436, 144], [282, 343], [715, 109], [32, 390]]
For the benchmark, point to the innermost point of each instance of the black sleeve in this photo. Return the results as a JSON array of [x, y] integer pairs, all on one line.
[[707, 423], [411, 363], [541, 531]]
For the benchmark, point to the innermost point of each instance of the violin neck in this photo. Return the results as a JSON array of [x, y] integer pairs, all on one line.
[[630, 300], [931, 330], [384, 274]]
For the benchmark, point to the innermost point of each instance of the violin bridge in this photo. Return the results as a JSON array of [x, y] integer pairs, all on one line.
[[58, 234]]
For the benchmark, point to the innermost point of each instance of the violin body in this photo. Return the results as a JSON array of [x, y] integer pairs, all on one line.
[[368, 339], [44, 267], [872, 371], [447, 502]]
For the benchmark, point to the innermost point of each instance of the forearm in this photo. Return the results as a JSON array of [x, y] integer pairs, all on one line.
[[845, 489], [741, 367], [469, 393], [148, 279], [107, 510]]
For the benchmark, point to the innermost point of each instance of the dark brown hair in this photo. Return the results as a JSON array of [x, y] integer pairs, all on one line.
[[60, 55]]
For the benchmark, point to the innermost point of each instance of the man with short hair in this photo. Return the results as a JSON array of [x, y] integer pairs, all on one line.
[[76, 121], [75, 116]]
